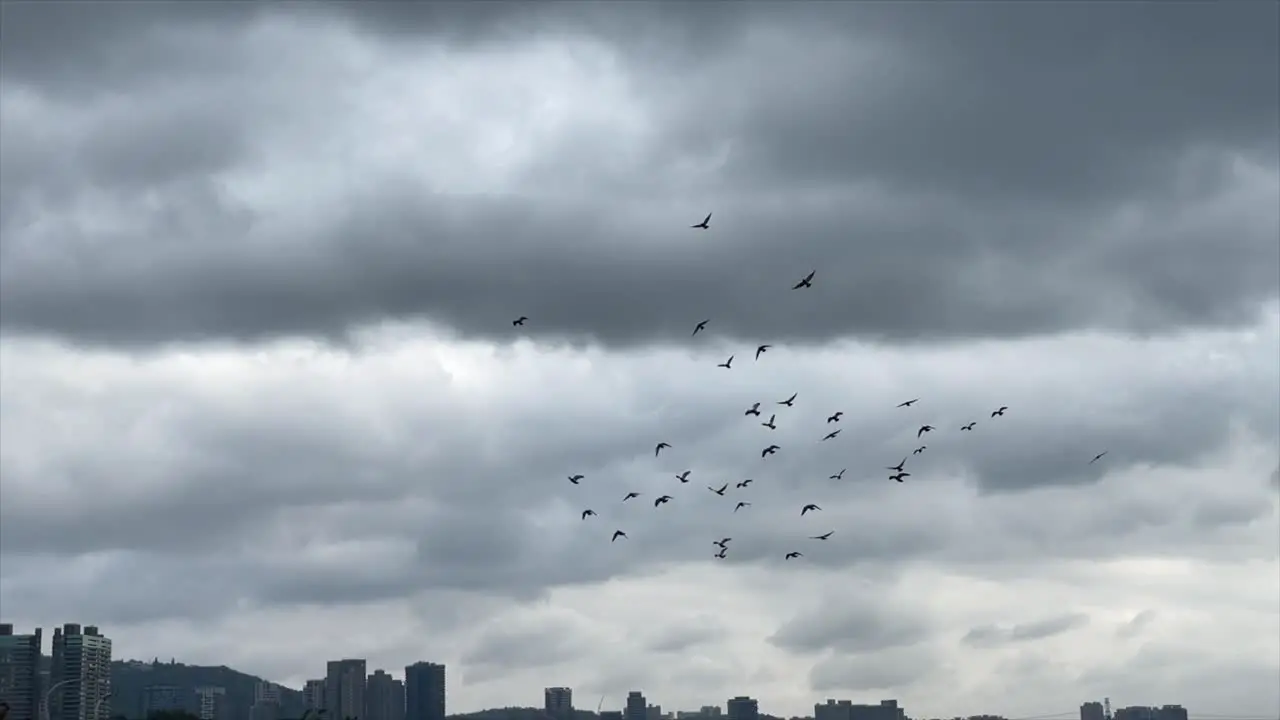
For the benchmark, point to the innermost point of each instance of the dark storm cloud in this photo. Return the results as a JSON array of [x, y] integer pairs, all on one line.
[[948, 180], [996, 635]]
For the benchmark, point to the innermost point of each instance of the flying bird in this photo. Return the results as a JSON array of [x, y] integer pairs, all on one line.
[[769, 450], [744, 483], [839, 475], [823, 536], [924, 429], [684, 476], [1098, 457], [770, 424], [518, 321], [719, 492], [793, 555], [575, 479], [631, 495], [899, 476], [999, 411], [968, 427], [588, 513], [662, 499], [741, 505], [919, 450], [899, 466], [705, 224], [762, 350], [721, 542], [722, 553], [830, 435], [807, 508], [727, 364], [791, 401], [909, 403], [753, 410], [617, 534], [700, 327], [836, 417], [659, 448], [806, 281]]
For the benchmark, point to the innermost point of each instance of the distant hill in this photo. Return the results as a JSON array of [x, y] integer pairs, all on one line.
[[130, 677]]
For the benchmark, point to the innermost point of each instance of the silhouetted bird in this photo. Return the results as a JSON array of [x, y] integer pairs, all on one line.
[[900, 476], [1098, 457], [793, 555], [700, 327], [839, 475], [804, 510], [835, 418], [727, 364], [769, 451], [899, 466], [741, 505], [661, 499], [706, 223], [806, 281], [519, 321], [770, 424], [823, 536], [575, 479], [919, 450], [722, 553], [968, 427], [762, 350], [789, 402], [617, 534], [924, 429], [684, 476], [659, 448], [909, 403], [753, 410], [999, 411], [719, 492], [588, 513], [630, 495], [721, 542], [831, 435], [744, 483]]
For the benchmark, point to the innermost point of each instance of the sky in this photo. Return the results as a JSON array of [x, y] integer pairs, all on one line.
[[263, 404]]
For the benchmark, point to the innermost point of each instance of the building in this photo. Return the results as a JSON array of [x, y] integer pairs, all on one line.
[[1092, 711], [653, 712], [384, 697], [266, 702], [163, 698], [211, 703], [558, 702], [344, 688], [313, 695], [610, 715], [20, 672], [424, 691], [1140, 712], [80, 676], [743, 708], [636, 708]]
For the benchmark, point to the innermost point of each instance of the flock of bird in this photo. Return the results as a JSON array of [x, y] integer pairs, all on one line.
[[898, 472]]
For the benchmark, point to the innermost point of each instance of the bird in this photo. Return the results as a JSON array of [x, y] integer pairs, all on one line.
[[835, 418], [722, 553], [659, 448], [518, 321], [705, 224], [968, 427], [762, 350], [1098, 457], [744, 483], [823, 536], [900, 476], [753, 410], [831, 435], [999, 411], [789, 402], [588, 513], [684, 476], [793, 555], [617, 534], [741, 505], [909, 403], [727, 364], [919, 450], [839, 475], [700, 327], [719, 492], [806, 281], [721, 542], [770, 424], [631, 495], [769, 450], [924, 429], [575, 479], [661, 499], [807, 508], [897, 467]]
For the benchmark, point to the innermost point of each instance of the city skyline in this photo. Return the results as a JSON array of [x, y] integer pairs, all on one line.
[[914, 350]]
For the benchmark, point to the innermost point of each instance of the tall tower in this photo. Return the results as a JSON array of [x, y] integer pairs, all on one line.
[[558, 702], [424, 691], [81, 674], [344, 689], [384, 697], [20, 673], [637, 708]]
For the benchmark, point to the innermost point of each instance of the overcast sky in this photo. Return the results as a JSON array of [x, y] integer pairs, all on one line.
[[263, 404]]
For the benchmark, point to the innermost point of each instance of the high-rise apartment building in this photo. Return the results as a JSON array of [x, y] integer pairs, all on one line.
[[558, 702], [344, 689], [211, 703], [637, 707], [80, 680], [846, 710], [743, 708], [424, 691], [1092, 711], [313, 695], [266, 702], [163, 698], [20, 673], [383, 697]]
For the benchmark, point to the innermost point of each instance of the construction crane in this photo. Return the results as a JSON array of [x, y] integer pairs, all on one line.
[[601, 704]]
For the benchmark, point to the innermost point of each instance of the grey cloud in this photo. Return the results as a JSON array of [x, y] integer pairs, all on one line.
[[1137, 624], [996, 635], [498, 648], [855, 623], [681, 638], [887, 671]]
